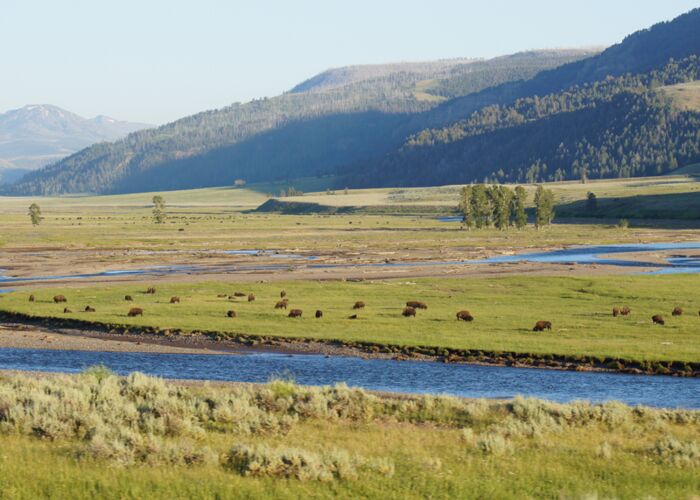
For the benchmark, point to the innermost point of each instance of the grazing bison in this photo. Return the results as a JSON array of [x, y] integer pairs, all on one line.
[[231, 313], [151, 290], [89, 309], [221, 296], [658, 319], [295, 313], [409, 311], [319, 313], [128, 298], [354, 316], [415, 304], [616, 311], [66, 310], [31, 298], [465, 316], [251, 297], [281, 304], [283, 294], [59, 298], [174, 300], [677, 311], [541, 326], [359, 305], [625, 311], [135, 311], [239, 294]]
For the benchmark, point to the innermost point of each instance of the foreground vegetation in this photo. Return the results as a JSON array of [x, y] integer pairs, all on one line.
[[505, 310], [136, 436]]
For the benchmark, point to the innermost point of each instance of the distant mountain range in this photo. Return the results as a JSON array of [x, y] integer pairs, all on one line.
[[527, 117], [36, 135]]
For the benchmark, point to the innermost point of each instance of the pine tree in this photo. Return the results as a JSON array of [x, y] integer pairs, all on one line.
[[35, 214], [158, 209], [466, 207], [544, 203]]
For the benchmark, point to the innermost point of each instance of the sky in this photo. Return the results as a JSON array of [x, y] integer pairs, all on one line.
[[154, 61]]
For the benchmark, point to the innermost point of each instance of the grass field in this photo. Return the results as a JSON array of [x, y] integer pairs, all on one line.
[[505, 310], [98, 435], [684, 95]]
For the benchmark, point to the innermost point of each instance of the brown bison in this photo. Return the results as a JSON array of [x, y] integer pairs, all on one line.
[[677, 311], [174, 300], [128, 298], [359, 305], [409, 311], [151, 289], [135, 311], [658, 319], [415, 304], [295, 313], [616, 312], [319, 313], [465, 316], [251, 297], [59, 298], [283, 294], [541, 326], [66, 310], [31, 298], [354, 316], [231, 313], [221, 296], [89, 309], [625, 311], [281, 304], [239, 294]]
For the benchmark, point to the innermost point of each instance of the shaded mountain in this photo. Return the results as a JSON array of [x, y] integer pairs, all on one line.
[[344, 116]]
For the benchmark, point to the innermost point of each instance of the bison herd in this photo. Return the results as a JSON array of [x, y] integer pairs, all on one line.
[[409, 311]]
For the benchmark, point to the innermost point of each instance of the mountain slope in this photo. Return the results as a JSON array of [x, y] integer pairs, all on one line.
[[35, 135], [351, 115]]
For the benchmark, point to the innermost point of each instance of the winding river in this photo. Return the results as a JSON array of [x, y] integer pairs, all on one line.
[[376, 374]]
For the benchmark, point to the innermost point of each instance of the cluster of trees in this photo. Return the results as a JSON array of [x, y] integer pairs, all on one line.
[[290, 191], [502, 207], [618, 127], [35, 214]]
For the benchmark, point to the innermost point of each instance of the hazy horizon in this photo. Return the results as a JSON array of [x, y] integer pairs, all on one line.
[[158, 62]]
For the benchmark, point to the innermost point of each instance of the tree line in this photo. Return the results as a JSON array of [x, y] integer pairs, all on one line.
[[500, 206]]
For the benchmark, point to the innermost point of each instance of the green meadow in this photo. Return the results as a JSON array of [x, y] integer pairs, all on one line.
[[505, 310]]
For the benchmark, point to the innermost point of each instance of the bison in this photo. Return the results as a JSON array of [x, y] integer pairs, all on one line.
[[31, 298], [128, 298], [658, 319], [59, 298], [295, 313], [135, 311], [616, 312], [239, 294], [89, 309], [359, 305], [283, 294], [677, 311], [251, 297], [281, 304], [415, 304], [319, 313], [625, 311], [151, 290], [174, 300], [354, 316], [541, 326], [221, 296], [66, 310], [231, 313], [409, 311], [465, 316]]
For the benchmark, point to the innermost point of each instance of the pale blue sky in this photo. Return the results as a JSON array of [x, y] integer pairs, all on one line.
[[158, 60]]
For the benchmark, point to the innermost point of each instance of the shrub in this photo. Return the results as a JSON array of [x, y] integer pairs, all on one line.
[[671, 451]]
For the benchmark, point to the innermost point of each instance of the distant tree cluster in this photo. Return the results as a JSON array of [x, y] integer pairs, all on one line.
[[35, 214], [290, 191], [502, 207]]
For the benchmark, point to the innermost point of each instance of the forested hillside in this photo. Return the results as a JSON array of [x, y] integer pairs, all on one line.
[[618, 127], [341, 116]]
